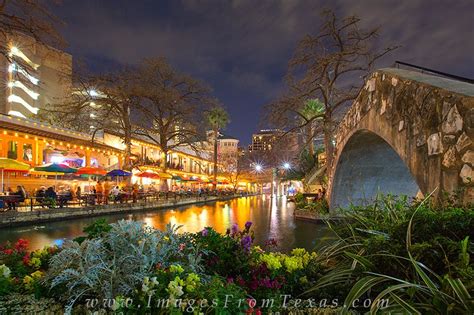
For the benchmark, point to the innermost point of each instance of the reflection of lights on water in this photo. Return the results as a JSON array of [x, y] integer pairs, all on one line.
[[148, 222], [58, 242]]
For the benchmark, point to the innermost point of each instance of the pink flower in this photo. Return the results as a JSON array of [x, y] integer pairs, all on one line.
[[8, 251], [26, 259], [182, 246]]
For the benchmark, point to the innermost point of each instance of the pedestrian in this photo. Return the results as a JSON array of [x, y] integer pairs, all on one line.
[[107, 187], [78, 192], [99, 190], [135, 189]]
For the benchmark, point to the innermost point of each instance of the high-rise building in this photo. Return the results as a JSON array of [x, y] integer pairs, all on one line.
[[227, 150], [33, 75], [264, 140]]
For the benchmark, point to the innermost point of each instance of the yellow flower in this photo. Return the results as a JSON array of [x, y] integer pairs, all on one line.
[[271, 260], [176, 269], [35, 262]]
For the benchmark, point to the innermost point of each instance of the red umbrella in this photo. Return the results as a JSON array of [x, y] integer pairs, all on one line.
[[148, 174]]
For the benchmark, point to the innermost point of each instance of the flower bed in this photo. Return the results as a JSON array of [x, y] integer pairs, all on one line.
[[311, 209], [127, 267]]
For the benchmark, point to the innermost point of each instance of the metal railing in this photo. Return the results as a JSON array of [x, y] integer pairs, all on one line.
[[98, 200], [443, 74]]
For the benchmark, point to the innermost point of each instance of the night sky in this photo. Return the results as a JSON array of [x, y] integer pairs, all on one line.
[[241, 48]]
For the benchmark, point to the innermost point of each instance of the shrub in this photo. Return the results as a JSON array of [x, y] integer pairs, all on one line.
[[116, 263]]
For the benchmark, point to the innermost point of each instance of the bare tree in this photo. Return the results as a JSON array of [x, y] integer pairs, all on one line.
[[28, 17], [171, 106], [98, 103], [330, 66]]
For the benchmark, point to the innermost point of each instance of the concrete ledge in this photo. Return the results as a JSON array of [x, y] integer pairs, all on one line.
[[14, 218]]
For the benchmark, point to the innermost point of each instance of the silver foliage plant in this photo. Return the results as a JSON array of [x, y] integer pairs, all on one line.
[[116, 263]]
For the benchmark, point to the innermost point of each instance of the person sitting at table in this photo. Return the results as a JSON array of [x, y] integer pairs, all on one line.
[[10, 201], [64, 196], [40, 195], [115, 193], [50, 196], [21, 193]]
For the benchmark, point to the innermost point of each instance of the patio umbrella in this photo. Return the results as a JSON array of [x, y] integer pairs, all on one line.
[[91, 171], [87, 170], [118, 172], [148, 174], [56, 169], [12, 165], [165, 175]]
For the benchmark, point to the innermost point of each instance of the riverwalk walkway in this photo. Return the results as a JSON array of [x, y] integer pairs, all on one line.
[[27, 216]]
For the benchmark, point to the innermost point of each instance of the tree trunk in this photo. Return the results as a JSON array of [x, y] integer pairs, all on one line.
[[328, 144], [216, 135], [310, 140], [164, 184], [128, 149]]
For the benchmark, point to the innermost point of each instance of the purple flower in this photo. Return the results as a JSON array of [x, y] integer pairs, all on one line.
[[248, 225], [204, 232], [235, 228], [246, 242]]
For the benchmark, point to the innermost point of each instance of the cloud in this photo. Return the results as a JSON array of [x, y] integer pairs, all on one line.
[[242, 47]]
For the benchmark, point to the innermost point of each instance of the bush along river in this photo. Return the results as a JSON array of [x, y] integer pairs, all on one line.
[[391, 257]]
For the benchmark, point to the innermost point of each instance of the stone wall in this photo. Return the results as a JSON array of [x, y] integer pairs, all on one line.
[[427, 120]]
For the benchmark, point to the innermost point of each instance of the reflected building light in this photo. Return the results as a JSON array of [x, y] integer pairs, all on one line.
[[16, 99], [25, 89]]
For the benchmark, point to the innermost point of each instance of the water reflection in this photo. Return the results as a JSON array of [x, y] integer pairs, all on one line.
[[272, 218]]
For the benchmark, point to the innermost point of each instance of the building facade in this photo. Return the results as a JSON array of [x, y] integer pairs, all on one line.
[[32, 75], [263, 140]]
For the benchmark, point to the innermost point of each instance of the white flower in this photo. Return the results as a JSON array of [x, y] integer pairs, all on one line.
[[154, 281], [4, 271]]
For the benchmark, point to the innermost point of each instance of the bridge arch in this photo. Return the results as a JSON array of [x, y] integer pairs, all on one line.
[[367, 166], [421, 124]]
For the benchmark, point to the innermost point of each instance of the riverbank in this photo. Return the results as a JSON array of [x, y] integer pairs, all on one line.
[[15, 218]]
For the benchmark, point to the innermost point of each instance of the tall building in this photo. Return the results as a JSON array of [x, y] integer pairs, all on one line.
[[32, 76], [227, 150], [264, 140]]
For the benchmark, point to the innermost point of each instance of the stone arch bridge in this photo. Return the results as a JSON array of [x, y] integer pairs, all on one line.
[[407, 133]]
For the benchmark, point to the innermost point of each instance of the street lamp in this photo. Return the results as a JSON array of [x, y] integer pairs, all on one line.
[[258, 167], [286, 166]]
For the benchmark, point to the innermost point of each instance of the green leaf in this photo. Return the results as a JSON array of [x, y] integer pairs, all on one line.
[[362, 286], [366, 263], [461, 292]]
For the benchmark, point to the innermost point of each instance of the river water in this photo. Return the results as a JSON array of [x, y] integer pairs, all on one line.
[[272, 218]]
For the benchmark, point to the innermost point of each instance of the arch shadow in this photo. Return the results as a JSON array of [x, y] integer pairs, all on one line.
[[369, 166]]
